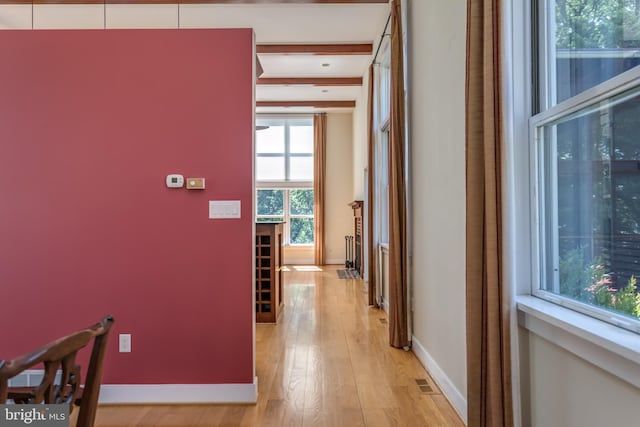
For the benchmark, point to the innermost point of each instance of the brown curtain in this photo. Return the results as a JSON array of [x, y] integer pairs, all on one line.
[[488, 349], [371, 182], [319, 169], [398, 327]]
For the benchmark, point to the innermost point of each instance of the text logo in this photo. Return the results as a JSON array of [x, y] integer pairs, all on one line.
[[34, 415]]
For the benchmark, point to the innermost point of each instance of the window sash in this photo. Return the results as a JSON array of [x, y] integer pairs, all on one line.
[[543, 249], [287, 154], [287, 215]]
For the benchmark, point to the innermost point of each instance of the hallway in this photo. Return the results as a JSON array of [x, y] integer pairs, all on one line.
[[326, 363]]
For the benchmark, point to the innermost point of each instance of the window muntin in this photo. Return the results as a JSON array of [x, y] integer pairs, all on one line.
[[587, 158], [284, 151], [294, 207]]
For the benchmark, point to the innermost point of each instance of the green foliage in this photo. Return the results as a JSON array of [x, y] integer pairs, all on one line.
[[301, 229], [270, 202], [597, 24], [626, 300], [301, 202], [599, 290], [573, 275]]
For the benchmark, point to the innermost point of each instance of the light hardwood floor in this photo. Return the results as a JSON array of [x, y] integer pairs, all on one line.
[[326, 363]]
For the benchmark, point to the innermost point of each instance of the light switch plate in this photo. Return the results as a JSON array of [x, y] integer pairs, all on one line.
[[222, 209], [125, 343]]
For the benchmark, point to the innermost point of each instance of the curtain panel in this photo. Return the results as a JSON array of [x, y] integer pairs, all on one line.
[[398, 304], [487, 301], [319, 170], [371, 191]]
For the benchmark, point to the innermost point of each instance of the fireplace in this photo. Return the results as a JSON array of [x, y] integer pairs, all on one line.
[[357, 206]]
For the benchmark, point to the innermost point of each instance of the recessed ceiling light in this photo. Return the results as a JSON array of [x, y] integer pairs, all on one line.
[[325, 64], [325, 90]]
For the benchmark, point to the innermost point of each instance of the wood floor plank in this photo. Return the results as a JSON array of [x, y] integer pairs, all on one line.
[[326, 363]]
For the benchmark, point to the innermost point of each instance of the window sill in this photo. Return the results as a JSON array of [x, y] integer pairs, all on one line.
[[613, 349]]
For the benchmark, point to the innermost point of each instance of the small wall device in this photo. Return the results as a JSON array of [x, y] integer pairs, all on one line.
[[175, 181], [195, 183]]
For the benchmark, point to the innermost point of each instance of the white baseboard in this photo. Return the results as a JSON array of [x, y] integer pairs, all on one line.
[[112, 394], [385, 305], [457, 399]]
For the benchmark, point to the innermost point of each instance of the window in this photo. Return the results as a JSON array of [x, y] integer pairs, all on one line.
[[383, 185], [294, 207], [587, 158], [284, 151], [383, 92], [284, 176]]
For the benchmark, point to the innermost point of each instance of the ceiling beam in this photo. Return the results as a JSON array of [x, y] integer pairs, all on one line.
[[314, 104], [311, 81], [316, 49]]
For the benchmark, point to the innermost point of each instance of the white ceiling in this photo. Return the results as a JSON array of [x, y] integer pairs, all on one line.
[[311, 65], [292, 23], [306, 93], [299, 24]]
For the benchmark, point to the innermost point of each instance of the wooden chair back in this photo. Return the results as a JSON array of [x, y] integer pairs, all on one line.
[[60, 355]]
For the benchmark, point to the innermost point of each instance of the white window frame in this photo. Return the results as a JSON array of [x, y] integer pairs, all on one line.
[[287, 185], [589, 98], [381, 125], [286, 216], [611, 348], [287, 154]]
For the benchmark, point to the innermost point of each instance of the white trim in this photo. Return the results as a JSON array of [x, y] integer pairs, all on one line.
[[32, 377], [385, 305], [590, 97], [450, 391], [517, 103], [178, 393], [613, 349], [163, 393]]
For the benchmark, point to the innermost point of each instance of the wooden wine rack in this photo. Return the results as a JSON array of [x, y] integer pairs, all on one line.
[[269, 302]]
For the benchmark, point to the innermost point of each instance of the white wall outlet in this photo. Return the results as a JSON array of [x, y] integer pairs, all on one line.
[[125, 343]]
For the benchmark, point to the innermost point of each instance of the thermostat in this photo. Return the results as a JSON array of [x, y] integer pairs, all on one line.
[[175, 181]]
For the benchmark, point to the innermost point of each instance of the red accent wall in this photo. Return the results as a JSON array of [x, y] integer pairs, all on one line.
[[91, 122]]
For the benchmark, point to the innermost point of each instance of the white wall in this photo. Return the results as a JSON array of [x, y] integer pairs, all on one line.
[[298, 255], [338, 220], [561, 389], [360, 139], [384, 278], [437, 39], [98, 16]]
